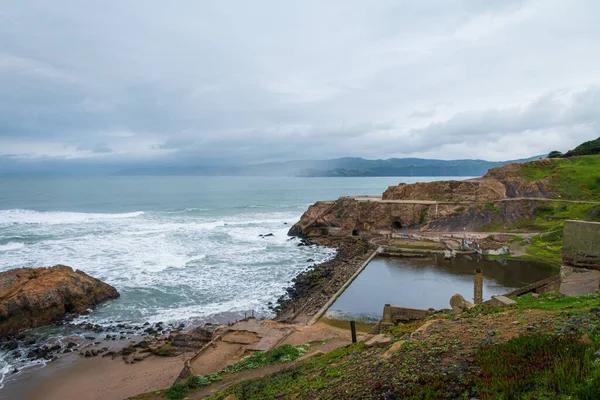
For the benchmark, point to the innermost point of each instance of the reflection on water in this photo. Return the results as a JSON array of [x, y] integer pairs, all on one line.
[[429, 283]]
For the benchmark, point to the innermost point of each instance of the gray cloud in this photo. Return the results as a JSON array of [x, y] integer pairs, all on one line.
[[239, 82]]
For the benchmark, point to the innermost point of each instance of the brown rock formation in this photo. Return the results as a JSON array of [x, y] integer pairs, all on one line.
[[350, 215], [32, 297], [471, 190], [499, 183]]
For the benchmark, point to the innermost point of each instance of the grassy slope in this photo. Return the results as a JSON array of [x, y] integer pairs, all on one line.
[[575, 178], [542, 349]]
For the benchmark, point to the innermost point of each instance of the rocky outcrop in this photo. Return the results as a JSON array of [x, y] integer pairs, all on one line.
[[349, 215], [470, 190], [499, 183], [32, 297], [512, 178]]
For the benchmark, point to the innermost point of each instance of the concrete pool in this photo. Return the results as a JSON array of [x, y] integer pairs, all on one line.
[[429, 283]]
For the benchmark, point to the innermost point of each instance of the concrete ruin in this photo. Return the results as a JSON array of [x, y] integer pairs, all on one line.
[[395, 315], [580, 273], [581, 244]]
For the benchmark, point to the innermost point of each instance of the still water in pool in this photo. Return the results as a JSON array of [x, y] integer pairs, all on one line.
[[429, 283]]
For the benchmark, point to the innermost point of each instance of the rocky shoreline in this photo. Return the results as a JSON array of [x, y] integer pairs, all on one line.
[[312, 289]]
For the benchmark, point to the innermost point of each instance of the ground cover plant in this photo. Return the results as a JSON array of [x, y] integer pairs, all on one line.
[[540, 367], [543, 348], [259, 359]]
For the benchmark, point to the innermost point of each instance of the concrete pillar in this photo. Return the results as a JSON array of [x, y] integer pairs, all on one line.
[[478, 298], [387, 315]]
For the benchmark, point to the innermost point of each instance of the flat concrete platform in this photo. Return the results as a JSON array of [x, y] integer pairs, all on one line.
[[579, 281]]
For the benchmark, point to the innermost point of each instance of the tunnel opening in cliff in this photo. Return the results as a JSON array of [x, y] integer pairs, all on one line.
[[396, 225]]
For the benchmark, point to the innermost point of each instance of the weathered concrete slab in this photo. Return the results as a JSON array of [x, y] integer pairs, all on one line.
[[581, 244], [502, 301], [393, 349], [270, 340], [578, 281], [378, 341], [394, 315]]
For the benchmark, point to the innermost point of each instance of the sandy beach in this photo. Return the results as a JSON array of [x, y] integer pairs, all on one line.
[[73, 377]]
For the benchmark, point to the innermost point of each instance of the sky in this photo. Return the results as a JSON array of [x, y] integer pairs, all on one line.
[[191, 82]]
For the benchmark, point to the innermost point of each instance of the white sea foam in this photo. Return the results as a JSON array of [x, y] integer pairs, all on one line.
[[56, 217], [167, 266], [11, 246]]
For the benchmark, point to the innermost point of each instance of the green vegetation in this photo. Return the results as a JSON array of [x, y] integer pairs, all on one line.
[[423, 215], [539, 367], [296, 379], [551, 356], [491, 207], [259, 359], [402, 329], [551, 216], [180, 389], [547, 247], [548, 217], [587, 148], [576, 178], [554, 302], [555, 154]]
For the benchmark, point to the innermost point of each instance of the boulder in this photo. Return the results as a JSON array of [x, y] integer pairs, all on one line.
[[32, 297], [459, 304], [501, 301]]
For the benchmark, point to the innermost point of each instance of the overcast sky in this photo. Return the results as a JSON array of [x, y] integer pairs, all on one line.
[[249, 81]]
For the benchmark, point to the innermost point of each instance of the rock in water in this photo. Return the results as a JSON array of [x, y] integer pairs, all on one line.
[[32, 297]]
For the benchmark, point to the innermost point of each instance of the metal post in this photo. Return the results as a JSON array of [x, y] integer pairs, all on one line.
[[353, 329], [478, 298]]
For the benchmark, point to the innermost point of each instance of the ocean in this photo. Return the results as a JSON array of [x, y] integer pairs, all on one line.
[[178, 249]]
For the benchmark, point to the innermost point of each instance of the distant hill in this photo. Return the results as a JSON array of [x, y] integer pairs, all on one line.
[[339, 167]]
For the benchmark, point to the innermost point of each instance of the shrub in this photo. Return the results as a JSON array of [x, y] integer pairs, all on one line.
[[538, 366], [555, 154], [544, 210], [177, 391]]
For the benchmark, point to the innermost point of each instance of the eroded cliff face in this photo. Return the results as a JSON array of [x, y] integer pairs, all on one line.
[[32, 297], [499, 183], [471, 190], [512, 178], [350, 216]]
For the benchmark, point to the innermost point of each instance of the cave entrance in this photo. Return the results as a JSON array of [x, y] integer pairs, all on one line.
[[354, 232], [396, 225]]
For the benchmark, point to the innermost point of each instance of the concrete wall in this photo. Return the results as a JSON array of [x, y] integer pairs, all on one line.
[[395, 315], [581, 244]]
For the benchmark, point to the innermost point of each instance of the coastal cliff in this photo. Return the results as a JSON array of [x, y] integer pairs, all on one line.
[[32, 297], [517, 196]]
